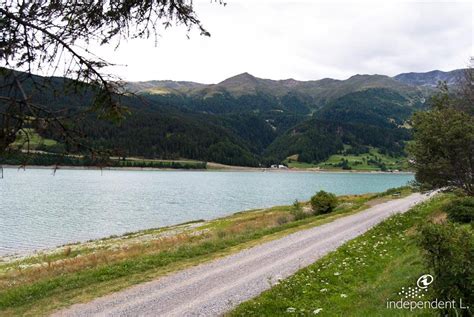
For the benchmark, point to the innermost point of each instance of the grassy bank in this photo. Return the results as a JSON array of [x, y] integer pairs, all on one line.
[[359, 277], [76, 273]]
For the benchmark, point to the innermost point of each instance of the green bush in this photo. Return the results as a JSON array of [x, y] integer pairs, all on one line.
[[297, 211], [448, 251], [461, 210], [323, 202]]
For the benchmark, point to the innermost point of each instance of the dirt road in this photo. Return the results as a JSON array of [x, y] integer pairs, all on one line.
[[213, 288]]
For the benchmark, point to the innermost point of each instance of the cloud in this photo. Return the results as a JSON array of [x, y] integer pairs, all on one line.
[[305, 40]]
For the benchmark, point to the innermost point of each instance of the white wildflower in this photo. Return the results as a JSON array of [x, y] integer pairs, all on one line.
[[317, 311], [290, 310], [343, 295], [323, 290]]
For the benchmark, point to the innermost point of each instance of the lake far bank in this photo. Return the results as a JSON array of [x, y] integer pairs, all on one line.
[[213, 168]]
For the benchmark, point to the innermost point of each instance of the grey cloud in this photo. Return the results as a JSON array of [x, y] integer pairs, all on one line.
[[307, 40]]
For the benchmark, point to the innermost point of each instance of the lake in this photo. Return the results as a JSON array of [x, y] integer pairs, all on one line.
[[40, 210]]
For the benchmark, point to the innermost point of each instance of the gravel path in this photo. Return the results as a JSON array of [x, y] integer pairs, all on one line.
[[213, 288]]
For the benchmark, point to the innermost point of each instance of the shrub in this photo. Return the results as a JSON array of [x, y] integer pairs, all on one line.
[[449, 254], [461, 210], [296, 205], [323, 202], [297, 211], [282, 220]]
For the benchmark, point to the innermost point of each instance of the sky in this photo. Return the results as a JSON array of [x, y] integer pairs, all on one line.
[[304, 40]]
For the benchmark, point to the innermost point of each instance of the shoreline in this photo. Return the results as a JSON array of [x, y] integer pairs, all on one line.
[[216, 168], [94, 242], [98, 267], [142, 234]]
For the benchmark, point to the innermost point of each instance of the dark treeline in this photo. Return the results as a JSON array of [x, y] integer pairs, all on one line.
[[222, 102], [23, 159], [162, 135]]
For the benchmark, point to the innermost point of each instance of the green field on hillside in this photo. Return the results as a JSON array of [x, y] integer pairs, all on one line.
[[29, 138], [155, 163], [371, 161]]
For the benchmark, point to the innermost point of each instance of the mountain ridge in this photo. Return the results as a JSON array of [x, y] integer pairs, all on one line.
[[431, 78], [314, 93], [246, 120], [413, 78]]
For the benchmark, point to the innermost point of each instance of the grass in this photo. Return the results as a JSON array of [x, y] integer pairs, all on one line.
[[133, 159], [154, 163], [357, 278], [35, 140], [362, 162], [76, 273]]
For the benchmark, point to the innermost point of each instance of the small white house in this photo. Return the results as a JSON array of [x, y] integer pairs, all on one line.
[[278, 166]]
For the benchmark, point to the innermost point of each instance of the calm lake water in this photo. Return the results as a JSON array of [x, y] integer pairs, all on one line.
[[41, 210]]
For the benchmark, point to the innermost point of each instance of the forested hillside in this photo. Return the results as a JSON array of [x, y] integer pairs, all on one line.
[[375, 117], [246, 120]]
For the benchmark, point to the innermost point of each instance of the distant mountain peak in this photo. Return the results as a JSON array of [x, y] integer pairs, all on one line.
[[290, 82], [362, 76], [240, 78], [431, 78]]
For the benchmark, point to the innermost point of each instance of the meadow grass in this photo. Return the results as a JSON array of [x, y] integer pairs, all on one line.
[[356, 162], [357, 278], [76, 273], [35, 140]]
